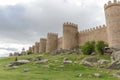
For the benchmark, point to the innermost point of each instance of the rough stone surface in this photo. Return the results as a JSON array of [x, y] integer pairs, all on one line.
[[67, 62], [40, 57], [15, 67], [115, 65], [117, 74], [91, 59], [80, 75], [86, 63], [97, 75], [103, 62], [115, 56], [25, 70], [19, 62], [42, 61]]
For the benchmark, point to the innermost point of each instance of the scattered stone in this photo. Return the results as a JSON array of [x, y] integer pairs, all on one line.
[[45, 66], [42, 61], [115, 56], [117, 74], [75, 62], [67, 62], [62, 66], [30, 59], [91, 59], [19, 62], [25, 70], [80, 75], [15, 67], [86, 63], [93, 53], [65, 59], [97, 75], [108, 50], [40, 57], [103, 62], [115, 65], [58, 51], [67, 51]]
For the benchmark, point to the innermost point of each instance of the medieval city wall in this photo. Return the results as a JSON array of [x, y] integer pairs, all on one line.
[[59, 43], [42, 47], [70, 35], [52, 42], [112, 15], [37, 44], [97, 33], [72, 38]]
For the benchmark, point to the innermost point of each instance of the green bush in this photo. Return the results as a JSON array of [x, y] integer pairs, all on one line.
[[88, 47], [99, 47], [16, 59], [29, 53]]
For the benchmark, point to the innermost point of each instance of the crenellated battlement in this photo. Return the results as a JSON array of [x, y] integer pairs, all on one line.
[[36, 43], [69, 24], [52, 34], [93, 29], [42, 38], [110, 3]]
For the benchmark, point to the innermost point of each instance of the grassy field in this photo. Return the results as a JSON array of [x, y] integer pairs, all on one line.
[[37, 72]]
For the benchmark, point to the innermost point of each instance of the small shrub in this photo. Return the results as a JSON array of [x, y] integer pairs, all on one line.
[[16, 59], [100, 46], [29, 53], [88, 47]]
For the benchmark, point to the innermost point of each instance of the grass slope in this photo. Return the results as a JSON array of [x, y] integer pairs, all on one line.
[[37, 72]]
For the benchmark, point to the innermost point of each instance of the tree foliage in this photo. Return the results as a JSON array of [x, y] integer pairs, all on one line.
[[92, 46], [100, 46], [88, 47]]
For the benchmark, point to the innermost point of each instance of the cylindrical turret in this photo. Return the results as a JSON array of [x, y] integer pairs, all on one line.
[[112, 14], [30, 49], [37, 47], [42, 45], [70, 35], [52, 42]]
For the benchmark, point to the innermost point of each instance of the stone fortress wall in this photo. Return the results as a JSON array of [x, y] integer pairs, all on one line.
[[42, 46], [70, 35], [109, 33], [112, 14], [93, 34], [59, 43], [52, 42]]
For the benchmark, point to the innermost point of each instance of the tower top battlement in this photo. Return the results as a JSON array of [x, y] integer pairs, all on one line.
[[52, 34], [42, 38], [110, 3], [70, 24]]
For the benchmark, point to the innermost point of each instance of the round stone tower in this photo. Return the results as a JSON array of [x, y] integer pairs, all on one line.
[[52, 42], [70, 35], [42, 45], [37, 47], [112, 14]]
